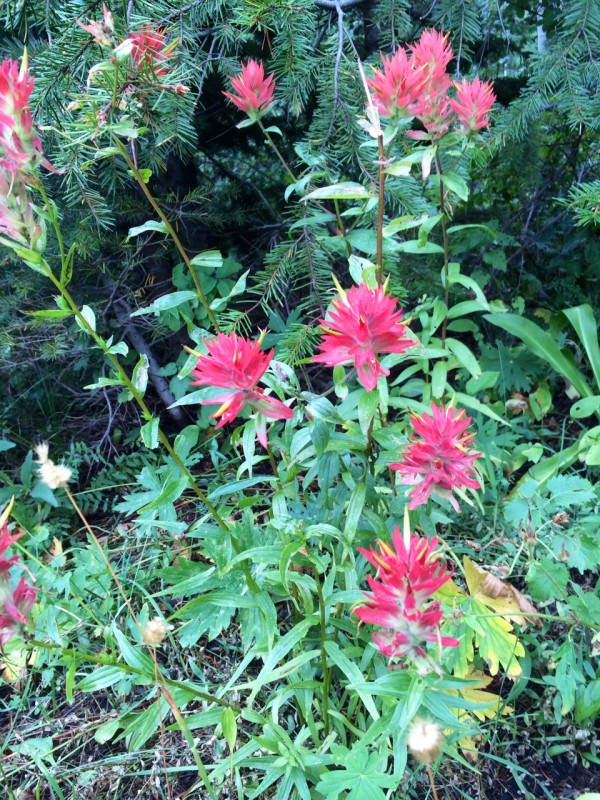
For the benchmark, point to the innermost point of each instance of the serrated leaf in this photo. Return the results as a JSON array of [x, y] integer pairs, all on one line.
[[495, 640]]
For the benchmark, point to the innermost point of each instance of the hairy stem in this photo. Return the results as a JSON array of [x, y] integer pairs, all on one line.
[[325, 668], [380, 210]]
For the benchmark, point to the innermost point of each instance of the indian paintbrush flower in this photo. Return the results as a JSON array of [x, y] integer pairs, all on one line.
[[362, 324], [438, 458], [396, 87], [473, 103], [254, 90], [20, 146], [15, 604], [238, 364], [408, 574], [148, 50], [102, 31]]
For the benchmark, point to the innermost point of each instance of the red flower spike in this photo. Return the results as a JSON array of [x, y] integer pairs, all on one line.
[[148, 50], [6, 540], [408, 577], [14, 610], [20, 146], [473, 103], [238, 364], [363, 323], [431, 55], [397, 86], [254, 91], [438, 461]]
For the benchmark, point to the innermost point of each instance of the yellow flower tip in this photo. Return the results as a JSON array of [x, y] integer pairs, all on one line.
[[338, 286], [261, 338], [222, 409], [194, 353], [155, 631], [424, 740], [24, 65]]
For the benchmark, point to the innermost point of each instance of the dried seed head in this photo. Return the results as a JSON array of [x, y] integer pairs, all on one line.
[[561, 519], [424, 740], [155, 631], [55, 476]]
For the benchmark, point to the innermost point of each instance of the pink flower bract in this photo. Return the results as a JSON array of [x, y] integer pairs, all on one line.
[[407, 577], [397, 86], [363, 323], [148, 50], [438, 460], [238, 364], [20, 146], [473, 103], [254, 91]]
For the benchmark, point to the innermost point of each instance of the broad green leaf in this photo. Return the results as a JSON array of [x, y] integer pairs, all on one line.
[[456, 184], [495, 640], [354, 510], [140, 374], [149, 433], [101, 678], [547, 580], [465, 356], [209, 259], [582, 319], [164, 303], [151, 225], [229, 727], [340, 191], [542, 345], [585, 407]]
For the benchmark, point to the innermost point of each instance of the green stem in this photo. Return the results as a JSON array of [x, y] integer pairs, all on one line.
[[276, 151], [147, 413], [438, 165], [172, 233], [274, 466], [325, 668], [380, 210]]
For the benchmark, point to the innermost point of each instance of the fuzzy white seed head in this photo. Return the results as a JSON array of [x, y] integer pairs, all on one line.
[[41, 451], [155, 631], [55, 476], [424, 740]]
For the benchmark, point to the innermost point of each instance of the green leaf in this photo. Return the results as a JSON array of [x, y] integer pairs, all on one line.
[[101, 678], [585, 407], [542, 345], [465, 357], [582, 319], [439, 375], [149, 433], [340, 191], [6, 445], [140, 374], [89, 317], [495, 640], [166, 302], [547, 580], [354, 510], [229, 726], [151, 225], [456, 184], [105, 732], [209, 260]]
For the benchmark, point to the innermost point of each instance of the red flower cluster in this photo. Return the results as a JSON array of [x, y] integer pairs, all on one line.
[[363, 323], [238, 364], [417, 85], [16, 603], [438, 461], [148, 51], [254, 91], [20, 146], [408, 577], [20, 155]]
